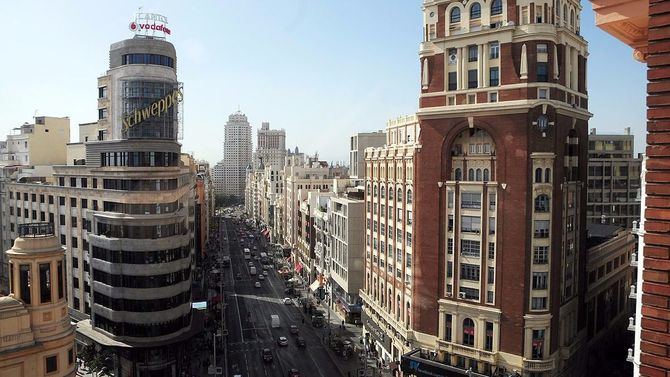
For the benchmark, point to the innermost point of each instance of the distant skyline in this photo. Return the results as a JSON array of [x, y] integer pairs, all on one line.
[[321, 70]]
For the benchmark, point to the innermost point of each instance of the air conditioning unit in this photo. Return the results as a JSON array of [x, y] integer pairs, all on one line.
[[449, 294], [461, 294]]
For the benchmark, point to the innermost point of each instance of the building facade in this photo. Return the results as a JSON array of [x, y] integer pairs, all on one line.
[[218, 173], [237, 150], [614, 180], [388, 289], [40, 143], [125, 213], [500, 183], [270, 146], [37, 336], [641, 24], [357, 145]]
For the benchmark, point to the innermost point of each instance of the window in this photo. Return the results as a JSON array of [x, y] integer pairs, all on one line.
[[488, 340], [73, 202], [538, 344], [496, 7], [494, 50], [472, 99], [538, 15], [547, 175], [491, 275], [52, 364], [450, 269], [470, 224], [102, 92], [538, 175], [542, 48], [470, 248], [468, 332], [448, 326], [73, 221], [542, 93], [542, 203], [102, 113], [475, 11], [455, 15], [540, 280], [469, 272], [472, 78], [59, 283], [542, 72], [61, 219], [450, 223], [541, 254], [452, 81], [70, 356], [471, 200], [539, 303], [51, 199], [472, 53], [493, 97], [492, 201], [409, 196], [541, 228], [492, 225], [45, 282], [61, 181], [492, 250], [450, 245], [494, 76], [489, 297]]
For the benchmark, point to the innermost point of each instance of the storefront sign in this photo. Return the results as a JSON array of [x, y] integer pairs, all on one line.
[[149, 24], [156, 109]]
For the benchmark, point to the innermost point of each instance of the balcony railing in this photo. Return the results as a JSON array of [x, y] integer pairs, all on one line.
[[461, 350], [538, 365]]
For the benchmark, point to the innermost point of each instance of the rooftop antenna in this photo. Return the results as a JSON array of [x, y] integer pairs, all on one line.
[[35, 114]]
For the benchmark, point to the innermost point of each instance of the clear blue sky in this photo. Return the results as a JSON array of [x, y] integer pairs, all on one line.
[[320, 69]]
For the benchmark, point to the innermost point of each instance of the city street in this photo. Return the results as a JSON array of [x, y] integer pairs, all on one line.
[[248, 314]]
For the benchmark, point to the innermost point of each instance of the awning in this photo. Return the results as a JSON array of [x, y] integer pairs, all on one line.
[[314, 286]]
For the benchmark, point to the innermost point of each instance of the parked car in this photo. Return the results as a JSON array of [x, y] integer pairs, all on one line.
[[267, 355], [293, 373], [238, 276], [257, 284], [251, 264], [288, 301], [261, 277], [293, 329], [265, 272], [282, 341], [300, 341]]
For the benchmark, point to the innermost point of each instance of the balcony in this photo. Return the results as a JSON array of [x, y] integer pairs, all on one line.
[[461, 350], [538, 365]]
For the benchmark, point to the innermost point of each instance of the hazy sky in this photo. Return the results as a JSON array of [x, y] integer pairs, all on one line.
[[320, 69]]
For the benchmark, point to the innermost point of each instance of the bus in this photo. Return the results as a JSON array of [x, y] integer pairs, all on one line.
[[247, 253]]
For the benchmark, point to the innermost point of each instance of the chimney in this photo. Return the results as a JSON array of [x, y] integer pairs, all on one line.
[[593, 131], [626, 131]]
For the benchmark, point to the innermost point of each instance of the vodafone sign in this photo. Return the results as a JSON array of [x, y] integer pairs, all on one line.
[[150, 24]]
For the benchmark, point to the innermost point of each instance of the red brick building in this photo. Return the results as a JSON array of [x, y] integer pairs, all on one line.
[[500, 194], [645, 26]]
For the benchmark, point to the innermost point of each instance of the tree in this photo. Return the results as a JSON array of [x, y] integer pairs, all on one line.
[[96, 361]]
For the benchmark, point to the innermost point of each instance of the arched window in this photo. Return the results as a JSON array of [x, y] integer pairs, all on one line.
[[496, 7], [486, 175], [572, 17], [479, 175], [475, 11], [455, 16], [565, 13], [558, 8], [390, 193], [382, 191], [457, 174], [369, 189], [407, 313], [375, 192], [390, 302], [409, 196], [397, 308], [468, 332], [399, 197], [542, 203], [547, 175], [538, 175], [471, 174]]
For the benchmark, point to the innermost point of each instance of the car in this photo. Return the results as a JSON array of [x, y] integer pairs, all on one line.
[[287, 301], [282, 341], [261, 277], [256, 257], [267, 355], [300, 341], [251, 264], [293, 373], [293, 329], [265, 272], [257, 284], [238, 276]]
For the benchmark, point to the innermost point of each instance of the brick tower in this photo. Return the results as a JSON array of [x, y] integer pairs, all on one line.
[[500, 189]]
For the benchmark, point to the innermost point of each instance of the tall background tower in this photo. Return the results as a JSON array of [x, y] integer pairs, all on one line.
[[270, 147], [237, 150], [500, 187]]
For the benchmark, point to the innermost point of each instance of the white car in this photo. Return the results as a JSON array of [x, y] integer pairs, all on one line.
[[257, 284], [261, 277], [265, 272], [288, 301]]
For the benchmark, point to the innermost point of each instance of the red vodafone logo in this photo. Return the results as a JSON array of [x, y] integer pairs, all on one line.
[[133, 26]]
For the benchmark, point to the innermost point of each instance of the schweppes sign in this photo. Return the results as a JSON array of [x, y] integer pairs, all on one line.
[[156, 109]]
